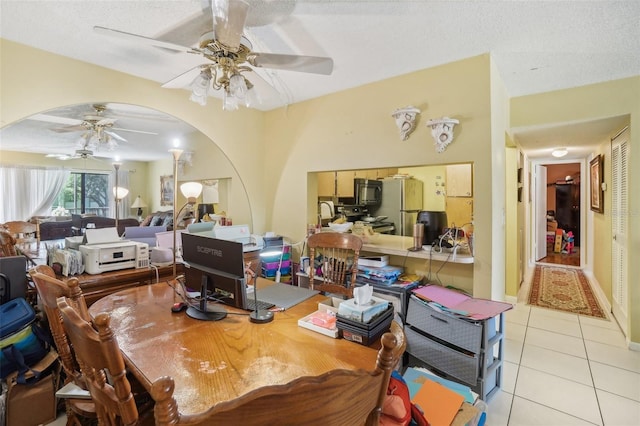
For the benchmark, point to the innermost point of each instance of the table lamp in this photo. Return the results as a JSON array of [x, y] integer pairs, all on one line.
[[139, 204]]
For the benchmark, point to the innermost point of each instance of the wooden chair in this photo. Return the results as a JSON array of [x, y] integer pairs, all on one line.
[[340, 254], [25, 234], [7, 243], [102, 366], [338, 397], [49, 289]]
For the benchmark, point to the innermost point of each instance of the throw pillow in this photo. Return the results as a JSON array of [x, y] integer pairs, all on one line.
[[147, 220], [168, 221], [156, 221]]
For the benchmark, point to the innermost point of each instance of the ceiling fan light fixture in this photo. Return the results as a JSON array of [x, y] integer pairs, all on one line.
[[200, 87], [229, 102], [559, 152], [238, 86]]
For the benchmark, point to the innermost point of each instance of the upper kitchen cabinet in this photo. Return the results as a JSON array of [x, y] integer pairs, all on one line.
[[326, 184], [459, 180], [344, 183], [340, 184]]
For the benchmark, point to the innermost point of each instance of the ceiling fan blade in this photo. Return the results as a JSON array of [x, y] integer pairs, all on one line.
[[106, 122], [143, 132], [62, 157], [115, 136], [309, 64], [188, 32], [183, 80], [229, 17], [144, 40], [53, 119], [75, 128]]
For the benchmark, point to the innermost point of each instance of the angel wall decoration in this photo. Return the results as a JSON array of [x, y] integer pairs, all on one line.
[[406, 120]]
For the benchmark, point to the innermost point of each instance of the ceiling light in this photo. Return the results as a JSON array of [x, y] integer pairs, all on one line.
[[560, 152]]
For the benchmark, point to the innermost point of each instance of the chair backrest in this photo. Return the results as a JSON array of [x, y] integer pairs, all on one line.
[[49, 289], [339, 259], [338, 397], [7, 243], [102, 364]]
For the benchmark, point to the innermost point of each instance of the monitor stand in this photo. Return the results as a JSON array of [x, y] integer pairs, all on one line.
[[203, 312]]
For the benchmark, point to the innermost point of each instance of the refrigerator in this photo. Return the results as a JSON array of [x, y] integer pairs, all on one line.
[[401, 202]]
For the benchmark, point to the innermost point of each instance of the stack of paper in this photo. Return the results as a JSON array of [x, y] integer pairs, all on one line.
[[460, 304], [442, 401]]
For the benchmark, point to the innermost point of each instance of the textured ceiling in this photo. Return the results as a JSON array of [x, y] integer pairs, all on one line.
[[538, 46]]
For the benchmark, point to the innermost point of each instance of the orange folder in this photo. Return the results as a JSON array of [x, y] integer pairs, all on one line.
[[438, 403]]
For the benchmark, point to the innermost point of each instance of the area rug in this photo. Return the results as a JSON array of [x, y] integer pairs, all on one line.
[[565, 289]]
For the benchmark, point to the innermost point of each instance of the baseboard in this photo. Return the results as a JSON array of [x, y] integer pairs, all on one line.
[[597, 290]]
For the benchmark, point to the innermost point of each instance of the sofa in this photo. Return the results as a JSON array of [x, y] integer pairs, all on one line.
[[60, 229], [160, 218]]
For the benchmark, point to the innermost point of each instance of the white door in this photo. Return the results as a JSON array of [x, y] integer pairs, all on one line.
[[540, 175], [620, 229]]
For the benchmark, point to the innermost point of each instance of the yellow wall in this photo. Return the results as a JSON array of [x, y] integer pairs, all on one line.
[[354, 129], [34, 81], [596, 101]]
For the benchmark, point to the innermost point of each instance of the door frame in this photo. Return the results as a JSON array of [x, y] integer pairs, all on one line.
[[584, 231]]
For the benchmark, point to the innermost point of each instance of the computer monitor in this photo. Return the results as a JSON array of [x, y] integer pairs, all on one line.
[[214, 266], [13, 278]]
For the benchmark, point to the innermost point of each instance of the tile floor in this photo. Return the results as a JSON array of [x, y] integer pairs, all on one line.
[[565, 369]]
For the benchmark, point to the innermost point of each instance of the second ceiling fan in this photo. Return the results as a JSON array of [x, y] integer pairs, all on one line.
[[231, 58]]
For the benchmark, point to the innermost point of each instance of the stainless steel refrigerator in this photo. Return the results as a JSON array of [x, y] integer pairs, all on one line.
[[401, 202]]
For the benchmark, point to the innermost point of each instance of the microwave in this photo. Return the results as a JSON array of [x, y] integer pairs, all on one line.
[[367, 192]]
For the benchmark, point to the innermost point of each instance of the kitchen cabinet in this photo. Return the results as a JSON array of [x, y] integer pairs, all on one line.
[[344, 183], [326, 184], [459, 180], [459, 211], [340, 184]]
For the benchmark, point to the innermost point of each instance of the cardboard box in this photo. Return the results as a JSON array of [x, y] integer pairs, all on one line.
[[362, 313], [330, 304]]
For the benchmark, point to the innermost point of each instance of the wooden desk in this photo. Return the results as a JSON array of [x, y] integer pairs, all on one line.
[[97, 286], [217, 361]]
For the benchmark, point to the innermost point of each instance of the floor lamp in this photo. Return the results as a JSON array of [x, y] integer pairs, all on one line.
[[191, 190], [118, 194]]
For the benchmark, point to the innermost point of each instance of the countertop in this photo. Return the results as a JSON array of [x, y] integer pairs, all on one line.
[[399, 246]]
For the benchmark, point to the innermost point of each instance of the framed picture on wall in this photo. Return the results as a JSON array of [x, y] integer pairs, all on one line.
[[596, 171], [166, 190]]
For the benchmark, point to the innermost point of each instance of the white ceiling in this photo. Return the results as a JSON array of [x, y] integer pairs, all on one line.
[[538, 46]]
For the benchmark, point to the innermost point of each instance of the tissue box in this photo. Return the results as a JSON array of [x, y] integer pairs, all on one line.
[[362, 313]]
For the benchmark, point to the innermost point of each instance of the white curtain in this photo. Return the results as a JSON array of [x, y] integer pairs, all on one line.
[[125, 204], [29, 191]]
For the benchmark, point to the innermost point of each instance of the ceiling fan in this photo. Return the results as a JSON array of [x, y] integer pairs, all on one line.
[[98, 129], [79, 153], [230, 56]]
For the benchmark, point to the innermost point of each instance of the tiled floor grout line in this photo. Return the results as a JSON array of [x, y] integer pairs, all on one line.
[[515, 382]]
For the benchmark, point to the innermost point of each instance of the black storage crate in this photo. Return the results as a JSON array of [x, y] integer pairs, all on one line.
[[365, 333]]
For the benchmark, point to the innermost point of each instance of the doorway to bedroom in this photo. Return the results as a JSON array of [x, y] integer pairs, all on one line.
[[563, 201]]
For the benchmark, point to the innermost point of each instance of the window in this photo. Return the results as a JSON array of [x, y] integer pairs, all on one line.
[[85, 193]]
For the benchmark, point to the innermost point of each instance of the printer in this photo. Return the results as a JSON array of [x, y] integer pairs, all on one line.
[[104, 251], [237, 233]]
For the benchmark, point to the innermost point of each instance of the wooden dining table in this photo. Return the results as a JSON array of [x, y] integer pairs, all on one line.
[[221, 360]]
